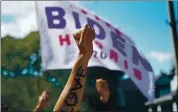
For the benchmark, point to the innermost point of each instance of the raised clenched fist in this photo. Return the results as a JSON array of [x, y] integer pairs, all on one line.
[[103, 90], [43, 99], [84, 38]]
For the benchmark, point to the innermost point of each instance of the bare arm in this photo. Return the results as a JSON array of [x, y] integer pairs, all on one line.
[[42, 101], [72, 94], [38, 109]]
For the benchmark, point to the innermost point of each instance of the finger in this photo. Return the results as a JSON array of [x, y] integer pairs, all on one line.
[[44, 98], [45, 92], [89, 28], [98, 85], [47, 96], [101, 98], [40, 98], [97, 80], [77, 35], [102, 83], [106, 85], [86, 26], [93, 30], [83, 36]]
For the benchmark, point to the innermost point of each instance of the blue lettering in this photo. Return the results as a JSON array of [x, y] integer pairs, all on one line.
[[118, 43], [136, 57], [91, 23], [55, 14], [76, 19]]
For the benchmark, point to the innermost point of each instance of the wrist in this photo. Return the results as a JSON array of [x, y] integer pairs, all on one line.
[[38, 108], [105, 98]]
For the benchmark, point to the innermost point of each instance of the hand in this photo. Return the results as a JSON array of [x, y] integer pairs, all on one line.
[[103, 90], [43, 100], [84, 38]]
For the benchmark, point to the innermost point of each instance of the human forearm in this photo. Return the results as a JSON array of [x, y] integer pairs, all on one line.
[[38, 108], [71, 96], [42, 101]]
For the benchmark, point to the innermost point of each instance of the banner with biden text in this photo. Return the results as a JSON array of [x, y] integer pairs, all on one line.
[[58, 20]]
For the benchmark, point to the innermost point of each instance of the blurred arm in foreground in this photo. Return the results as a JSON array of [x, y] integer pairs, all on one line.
[[71, 96], [42, 101]]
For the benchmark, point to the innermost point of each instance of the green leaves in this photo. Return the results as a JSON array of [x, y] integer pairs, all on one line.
[[22, 79], [30, 70]]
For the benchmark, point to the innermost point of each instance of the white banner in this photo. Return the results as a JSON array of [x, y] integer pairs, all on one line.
[[112, 48]]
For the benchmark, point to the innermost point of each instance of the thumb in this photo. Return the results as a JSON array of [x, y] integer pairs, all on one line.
[[101, 98]]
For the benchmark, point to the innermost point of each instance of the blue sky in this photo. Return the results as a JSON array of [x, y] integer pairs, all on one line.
[[7, 18], [144, 22]]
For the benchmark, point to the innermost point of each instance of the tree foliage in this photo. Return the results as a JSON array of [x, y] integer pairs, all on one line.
[[21, 87]]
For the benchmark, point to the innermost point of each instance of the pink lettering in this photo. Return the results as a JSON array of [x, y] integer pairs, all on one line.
[[66, 39], [118, 32], [83, 11], [99, 44], [125, 64], [137, 74], [113, 55], [97, 18], [107, 24]]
